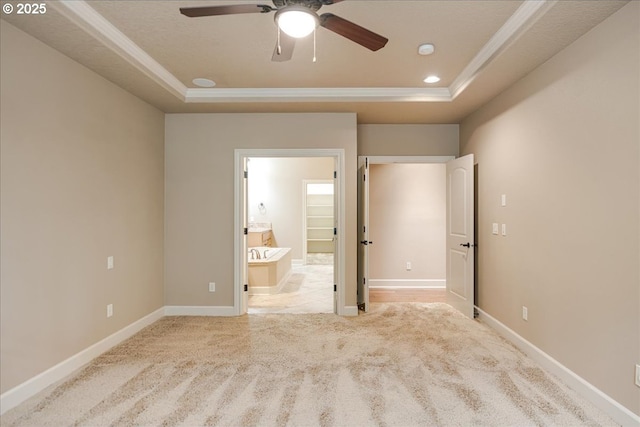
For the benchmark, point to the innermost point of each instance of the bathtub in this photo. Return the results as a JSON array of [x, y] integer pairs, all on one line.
[[268, 274]]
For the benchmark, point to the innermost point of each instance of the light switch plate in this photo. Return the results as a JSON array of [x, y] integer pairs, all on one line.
[[495, 228], [408, 265], [212, 286], [504, 229], [503, 200], [110, 264], [638, 375]]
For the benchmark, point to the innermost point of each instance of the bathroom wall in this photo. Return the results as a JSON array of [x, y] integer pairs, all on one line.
[[278, 183], [563, 145], [408, 225]]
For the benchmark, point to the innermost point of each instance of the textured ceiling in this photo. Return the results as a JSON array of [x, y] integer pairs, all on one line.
[[235, 51]]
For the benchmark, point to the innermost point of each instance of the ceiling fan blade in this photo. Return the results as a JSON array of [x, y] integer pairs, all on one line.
[[287, 44], [196, 12], [353, 32]]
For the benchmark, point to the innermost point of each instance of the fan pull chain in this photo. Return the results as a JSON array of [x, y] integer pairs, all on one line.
[[314, 45], [279, 49]]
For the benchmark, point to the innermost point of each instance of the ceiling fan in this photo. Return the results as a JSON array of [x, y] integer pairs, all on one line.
[[296, 19]]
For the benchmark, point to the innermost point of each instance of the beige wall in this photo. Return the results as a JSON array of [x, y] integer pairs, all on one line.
[[407, 224], [563, 145], [81, 179], [408, 140], [199, 193], [278, 183]]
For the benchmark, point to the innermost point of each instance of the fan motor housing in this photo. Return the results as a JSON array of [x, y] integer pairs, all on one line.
[[314, 5]]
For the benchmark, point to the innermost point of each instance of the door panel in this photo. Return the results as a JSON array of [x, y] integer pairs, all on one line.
[[460, 234], [363, 236], [245, 221], [336, 252]]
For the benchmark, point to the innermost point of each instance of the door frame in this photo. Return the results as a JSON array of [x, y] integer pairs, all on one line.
[[240, 267], [382, 160]]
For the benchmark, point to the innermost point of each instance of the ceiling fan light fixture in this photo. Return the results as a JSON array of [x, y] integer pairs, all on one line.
[[295, 21]]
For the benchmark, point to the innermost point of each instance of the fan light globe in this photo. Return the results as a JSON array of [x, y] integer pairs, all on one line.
[[296, 22]]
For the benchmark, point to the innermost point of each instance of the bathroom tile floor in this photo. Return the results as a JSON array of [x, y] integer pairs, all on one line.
[[309, 289]]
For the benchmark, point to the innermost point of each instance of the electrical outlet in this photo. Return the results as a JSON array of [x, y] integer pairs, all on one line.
[[638, 375], [408, 265], [109, 310], [212, 286], [110, 263], [525, 313]]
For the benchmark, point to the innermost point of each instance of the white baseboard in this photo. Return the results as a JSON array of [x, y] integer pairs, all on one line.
[[270, 290], [615, 410], [12, 398], [407, 284], [207, 310]]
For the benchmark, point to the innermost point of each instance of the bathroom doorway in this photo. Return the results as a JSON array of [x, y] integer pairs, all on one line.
[[283, 226]]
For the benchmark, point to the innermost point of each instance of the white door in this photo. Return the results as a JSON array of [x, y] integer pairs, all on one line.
[[363, 236], [460, 235], [244, 304], [336, 251]]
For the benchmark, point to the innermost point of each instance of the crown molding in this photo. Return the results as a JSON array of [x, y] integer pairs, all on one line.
[[87, 18], [517, 24], [84, 16], [333, 94]]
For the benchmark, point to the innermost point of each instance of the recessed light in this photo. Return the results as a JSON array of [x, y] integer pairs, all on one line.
[[204, 82], [426, 49], [432, 79]]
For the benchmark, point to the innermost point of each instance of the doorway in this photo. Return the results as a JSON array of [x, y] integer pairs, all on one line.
[[269, 203], [402, 253]]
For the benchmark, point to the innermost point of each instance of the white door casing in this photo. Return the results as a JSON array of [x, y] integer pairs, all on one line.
[[460, 235]]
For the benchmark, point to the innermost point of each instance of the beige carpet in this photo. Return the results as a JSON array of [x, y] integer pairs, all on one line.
[[405, 364]]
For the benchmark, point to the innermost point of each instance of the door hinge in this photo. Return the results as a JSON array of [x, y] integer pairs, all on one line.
[[364, 280], [335, 174], [246, 288], [335, 288], [246, 174], [366, 162], [246, 231], [364, 177], [335, 231]]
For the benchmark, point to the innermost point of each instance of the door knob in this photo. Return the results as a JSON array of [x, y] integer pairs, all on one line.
[[466, 245], [365, 242]]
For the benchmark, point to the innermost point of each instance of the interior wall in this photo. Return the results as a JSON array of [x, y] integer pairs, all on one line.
[[408, 140], [81, 179], [407, 218], [278, 183], [563, 145], [199, 193]]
